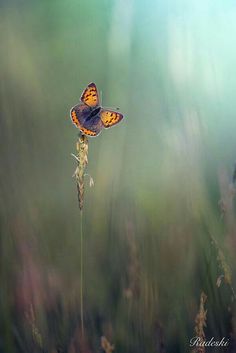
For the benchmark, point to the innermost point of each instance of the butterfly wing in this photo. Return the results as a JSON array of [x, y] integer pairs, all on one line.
[[81, 117], [110, 117], [79, 113], [90, 96]]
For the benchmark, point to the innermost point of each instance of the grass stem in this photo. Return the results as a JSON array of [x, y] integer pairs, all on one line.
[[81, 274]]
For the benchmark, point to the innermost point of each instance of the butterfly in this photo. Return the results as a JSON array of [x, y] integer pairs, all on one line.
[[89, 116]]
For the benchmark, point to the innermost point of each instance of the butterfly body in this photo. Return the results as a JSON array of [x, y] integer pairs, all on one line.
[[89, 116]]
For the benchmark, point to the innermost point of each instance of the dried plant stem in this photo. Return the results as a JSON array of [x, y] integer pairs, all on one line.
[[34, 328], [224, 267], [81, 274], [106, 346], [200, 322], [82, 160]]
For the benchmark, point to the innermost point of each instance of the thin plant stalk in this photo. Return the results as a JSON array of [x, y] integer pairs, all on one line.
[[81, 273], [82, 160]]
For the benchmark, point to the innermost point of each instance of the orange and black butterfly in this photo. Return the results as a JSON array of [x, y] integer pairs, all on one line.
[[89, 116]]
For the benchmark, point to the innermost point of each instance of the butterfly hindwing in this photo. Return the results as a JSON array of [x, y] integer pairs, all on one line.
[[81, 117], [78, 114], [110, 117], [90, 96]]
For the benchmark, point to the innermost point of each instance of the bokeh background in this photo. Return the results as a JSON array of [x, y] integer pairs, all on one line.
[[159, 223]]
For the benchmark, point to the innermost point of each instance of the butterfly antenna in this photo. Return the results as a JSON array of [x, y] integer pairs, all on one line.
[[100, 94], [112, 108]]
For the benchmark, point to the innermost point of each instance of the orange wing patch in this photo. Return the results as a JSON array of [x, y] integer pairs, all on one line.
[[110, 118], [74, 118], [88, 132], [90, 95]]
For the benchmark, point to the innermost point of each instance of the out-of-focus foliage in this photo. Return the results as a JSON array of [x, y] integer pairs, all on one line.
[[152, 219]]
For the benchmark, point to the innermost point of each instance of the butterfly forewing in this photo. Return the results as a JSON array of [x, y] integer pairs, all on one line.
[[90, 95]]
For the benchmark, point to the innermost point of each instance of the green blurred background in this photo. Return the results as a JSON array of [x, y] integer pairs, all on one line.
[[159, 175]]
